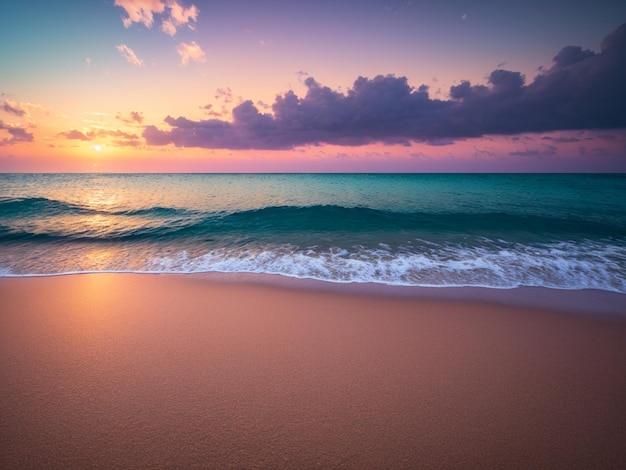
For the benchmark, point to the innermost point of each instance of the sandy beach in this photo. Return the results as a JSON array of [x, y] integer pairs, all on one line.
[[138, 371]]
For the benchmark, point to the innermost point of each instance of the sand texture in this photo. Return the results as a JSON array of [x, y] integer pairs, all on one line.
[[136, 371]]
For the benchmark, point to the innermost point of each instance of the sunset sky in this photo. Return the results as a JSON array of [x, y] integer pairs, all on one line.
[[333, 86]]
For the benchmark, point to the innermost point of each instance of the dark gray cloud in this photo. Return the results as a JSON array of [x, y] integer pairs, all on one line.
[[581, 90]]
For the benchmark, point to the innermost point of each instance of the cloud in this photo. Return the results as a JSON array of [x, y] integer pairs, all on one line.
[[178, 16], [562, 139], [140, 11], [383, 108], [224, 94], [581, 90], [168, 27], [14, 108], [75, 135], [122, 138], [21, 109], [129, 55], [189, 52], [18, 134], [208, 109], [397, 6], [135, 117], [171, 13]]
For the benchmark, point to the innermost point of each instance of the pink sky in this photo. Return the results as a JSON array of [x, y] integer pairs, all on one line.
[[228, 86]]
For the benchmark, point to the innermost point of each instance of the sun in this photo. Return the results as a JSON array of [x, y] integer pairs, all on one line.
[[97, 148]]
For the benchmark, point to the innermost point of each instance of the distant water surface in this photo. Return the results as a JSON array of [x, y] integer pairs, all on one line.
[[561, 231]]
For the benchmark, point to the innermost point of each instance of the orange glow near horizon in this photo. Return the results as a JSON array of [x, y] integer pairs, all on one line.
[[488, 154]]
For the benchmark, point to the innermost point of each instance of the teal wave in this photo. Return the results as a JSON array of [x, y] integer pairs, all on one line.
[[45, 219]]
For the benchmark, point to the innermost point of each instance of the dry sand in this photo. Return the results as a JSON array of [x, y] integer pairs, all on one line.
[[135, 371]]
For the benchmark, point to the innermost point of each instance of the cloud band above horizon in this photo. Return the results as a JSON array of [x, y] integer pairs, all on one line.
[[581, 90]]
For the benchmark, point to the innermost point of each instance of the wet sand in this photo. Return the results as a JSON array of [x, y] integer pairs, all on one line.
[[135, 371]]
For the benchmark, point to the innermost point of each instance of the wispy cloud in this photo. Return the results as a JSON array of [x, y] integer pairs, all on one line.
[[191, 51], [130, 55], [397, 6], [224, 94], [21, 109], [121, 137], [581, 90], [168, 27], [75, 135], [171, 13], [135, 117], [543, 151]]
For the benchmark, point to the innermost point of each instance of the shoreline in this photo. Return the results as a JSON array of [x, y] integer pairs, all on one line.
[[572, 301], [144, 370], [579, 301]]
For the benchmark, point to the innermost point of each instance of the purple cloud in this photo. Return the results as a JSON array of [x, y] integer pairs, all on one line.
[[581, 90], [14, 108], [18, 134], [135, 117]]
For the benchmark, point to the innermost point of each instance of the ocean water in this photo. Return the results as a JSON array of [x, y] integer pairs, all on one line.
[[501, 231]]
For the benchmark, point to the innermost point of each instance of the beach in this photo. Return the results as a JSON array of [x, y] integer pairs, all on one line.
[[191, 371]]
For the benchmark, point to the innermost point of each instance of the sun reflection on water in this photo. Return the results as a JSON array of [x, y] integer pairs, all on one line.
[[99, 199]]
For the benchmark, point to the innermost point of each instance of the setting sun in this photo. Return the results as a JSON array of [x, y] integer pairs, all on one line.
[[97, 148]]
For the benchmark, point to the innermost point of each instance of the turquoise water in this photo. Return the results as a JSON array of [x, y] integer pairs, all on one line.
[[563, 231]]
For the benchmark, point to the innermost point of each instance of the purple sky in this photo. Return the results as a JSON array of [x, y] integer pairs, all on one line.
[[175, 85]]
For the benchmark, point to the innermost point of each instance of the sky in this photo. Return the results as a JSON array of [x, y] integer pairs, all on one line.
[[312, 86]]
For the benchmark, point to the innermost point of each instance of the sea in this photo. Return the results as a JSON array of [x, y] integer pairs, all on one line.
[[564, 231]]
